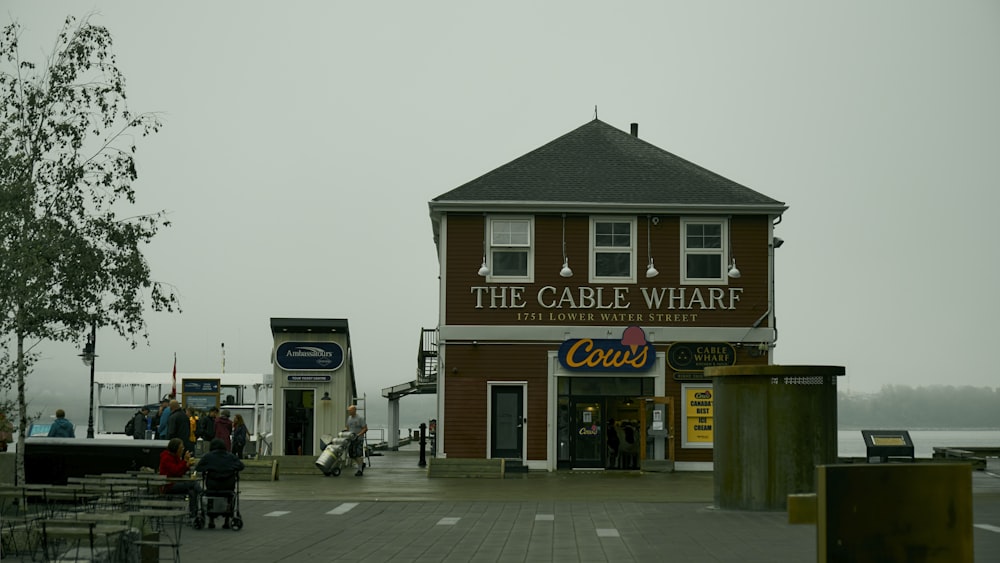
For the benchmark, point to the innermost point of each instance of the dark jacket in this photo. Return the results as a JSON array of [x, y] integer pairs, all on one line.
[[61, 428], [220, 468], [139, 423], [206, 428], [179, 426], [240, 436]]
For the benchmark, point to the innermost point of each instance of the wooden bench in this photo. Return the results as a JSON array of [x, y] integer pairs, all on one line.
[[456, 467]]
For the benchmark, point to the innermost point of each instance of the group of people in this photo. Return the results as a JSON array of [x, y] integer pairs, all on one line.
[[173, 421], [183, 428], [227, 440]]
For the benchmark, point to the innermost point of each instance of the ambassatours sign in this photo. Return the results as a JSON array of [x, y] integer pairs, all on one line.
[[631, 353], [309, 356]]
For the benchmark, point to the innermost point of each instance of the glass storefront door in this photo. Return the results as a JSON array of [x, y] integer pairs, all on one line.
[[587, 433], [599, 421], [587, 440]]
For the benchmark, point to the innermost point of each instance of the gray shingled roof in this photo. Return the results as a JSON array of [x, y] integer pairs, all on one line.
[[599, 164]]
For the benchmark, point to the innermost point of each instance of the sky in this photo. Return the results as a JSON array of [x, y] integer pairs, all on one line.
[[303, 140]]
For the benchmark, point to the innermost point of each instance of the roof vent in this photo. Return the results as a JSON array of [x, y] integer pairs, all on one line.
[[635, 129]]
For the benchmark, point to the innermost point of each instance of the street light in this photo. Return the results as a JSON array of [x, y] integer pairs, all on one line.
[[88, 356]]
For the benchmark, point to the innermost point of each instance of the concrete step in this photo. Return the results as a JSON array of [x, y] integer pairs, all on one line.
[[286, 465], [259, 470], [515, 466], [465, 468]]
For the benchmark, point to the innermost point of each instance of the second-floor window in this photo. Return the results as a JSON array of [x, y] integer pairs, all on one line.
[[510, 249], [704, 250], [612, 249]]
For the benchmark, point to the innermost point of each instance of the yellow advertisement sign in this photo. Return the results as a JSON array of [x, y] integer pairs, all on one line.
[[698, 411]]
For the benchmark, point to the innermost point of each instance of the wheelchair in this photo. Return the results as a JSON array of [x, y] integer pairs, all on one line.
[[220, 496]]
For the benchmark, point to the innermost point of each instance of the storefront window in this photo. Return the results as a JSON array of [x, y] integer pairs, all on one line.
[[613, 386]]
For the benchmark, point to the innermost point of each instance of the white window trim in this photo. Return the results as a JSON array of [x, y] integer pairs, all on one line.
[[592, 275], [724, 251], [530, 278]]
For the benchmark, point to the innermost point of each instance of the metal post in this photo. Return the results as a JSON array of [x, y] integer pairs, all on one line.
[[423, 445], [93, 360]]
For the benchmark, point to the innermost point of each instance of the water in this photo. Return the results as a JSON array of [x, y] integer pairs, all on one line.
[[850, 443]]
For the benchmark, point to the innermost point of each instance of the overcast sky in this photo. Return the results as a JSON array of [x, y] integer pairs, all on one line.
[[303, 140]]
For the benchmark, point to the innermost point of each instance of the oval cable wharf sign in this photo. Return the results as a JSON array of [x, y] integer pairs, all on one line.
[[309, 356], [696, 356]]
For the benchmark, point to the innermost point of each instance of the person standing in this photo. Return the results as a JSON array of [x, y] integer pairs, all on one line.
[[206, 424], [192, 421], [240, 435], [61, 428], [357, 426], [224, 429], [161, 419], [139, 423], [177, 424]]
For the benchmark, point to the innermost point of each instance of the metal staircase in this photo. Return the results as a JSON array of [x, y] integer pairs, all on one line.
[[425, 383], [427, 369]]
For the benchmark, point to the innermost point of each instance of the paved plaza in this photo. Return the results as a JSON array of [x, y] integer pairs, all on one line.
[[395, 513]]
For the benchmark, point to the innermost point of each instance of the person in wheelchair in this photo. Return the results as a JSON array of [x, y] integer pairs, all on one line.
[[221, 470]]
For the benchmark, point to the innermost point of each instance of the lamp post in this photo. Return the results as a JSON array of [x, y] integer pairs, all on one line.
[[88, 357]]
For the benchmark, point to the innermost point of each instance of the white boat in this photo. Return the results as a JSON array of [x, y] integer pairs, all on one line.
[[118, 395]]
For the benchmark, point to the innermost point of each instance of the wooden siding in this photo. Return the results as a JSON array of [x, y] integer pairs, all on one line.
[[468, 369], [465, 252]]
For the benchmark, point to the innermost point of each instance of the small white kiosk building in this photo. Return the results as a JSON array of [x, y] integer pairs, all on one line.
[[313, 382]]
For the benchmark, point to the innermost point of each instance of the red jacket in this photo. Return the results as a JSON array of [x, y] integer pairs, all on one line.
[[224, 431], [172, 466]]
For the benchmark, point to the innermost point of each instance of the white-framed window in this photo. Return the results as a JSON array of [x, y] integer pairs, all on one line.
[[704, 250], [511, 253], [612, 249]]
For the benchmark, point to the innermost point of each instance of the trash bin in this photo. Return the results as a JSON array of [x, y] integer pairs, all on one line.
[[772, 426]]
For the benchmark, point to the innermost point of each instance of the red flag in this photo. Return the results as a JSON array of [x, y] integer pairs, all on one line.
[[173, 381]]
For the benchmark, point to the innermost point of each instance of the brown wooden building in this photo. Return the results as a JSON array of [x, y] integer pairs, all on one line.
[[584, 288]]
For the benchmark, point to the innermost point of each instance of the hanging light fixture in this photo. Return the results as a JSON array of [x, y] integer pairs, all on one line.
[[651, 271], [484, 270], [734, 272], [565, 271]]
